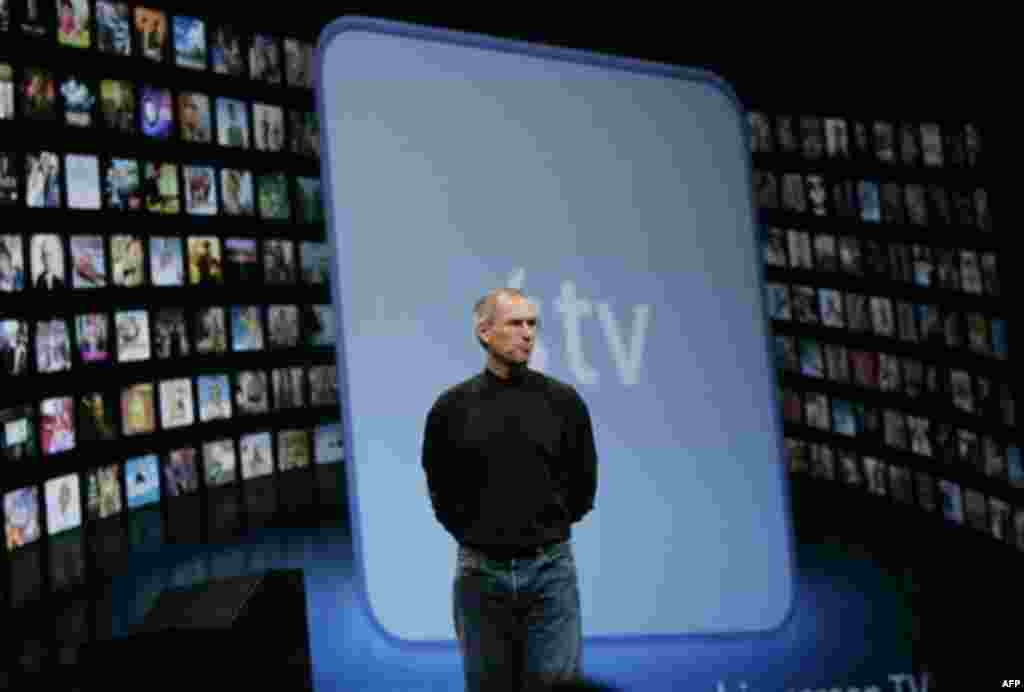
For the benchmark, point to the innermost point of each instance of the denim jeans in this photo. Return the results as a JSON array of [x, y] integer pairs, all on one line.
[[518, 621]]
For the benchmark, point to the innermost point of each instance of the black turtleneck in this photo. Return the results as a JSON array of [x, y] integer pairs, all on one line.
[[510, 462]]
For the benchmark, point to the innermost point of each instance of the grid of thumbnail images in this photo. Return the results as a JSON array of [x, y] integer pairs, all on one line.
[[884, 297], [51, 329]]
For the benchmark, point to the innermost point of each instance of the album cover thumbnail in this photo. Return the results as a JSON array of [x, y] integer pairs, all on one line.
[[926, 491], [194, 116], [930, 320], [166, 262], [42, 180], [311, 201], [88, 262], [96, 417], [817, 194], [127, 260], [849, 469], [113, 28], [786, 134], [1000, 345], [868, 198], [211, 331], [939, 211], [298, 69], [190, 42], [831, 302], [293, 450], [905, 321], [37, 17], [170, 333], [180, 472], [796, 453], [865, 368], [157, 112], [83, 177], [142, 481], [176, 407], [953, 330], [892, 203], [774, 243], [256, 450], [931, 144], [5, 15], [885, 149], [21, 517], [103, 492], [63, 504], [837, 362], [200, 190], [889, 373], [977, 333], [323, 385], [910, 149], [232, 123], [274, 202], [79, 100], [1014, 466], [8, 181], [999, 519], [792, 406], [972, 144], [252, 392], [57, 425], [1007, 404], [766, 190], [214, 397], [995, 460], [18, 433], [983, 217], [778, 301], [876, 258], [242, 265], [265, 59], [317, 323], [287, 388], [913, 377], [917, 205], [328, 444], [205, 265], [969, 449], [849, 255], [902, 484], [784, 351], [219, 462], [38, 94], [900, 264], [47, 262], [844, 199], [74, 23], [151, 33], [12, 263], [246, 328], [227, 52], [14, 348], [919, 431], [800, 249], [92, 330], [279, 261], [812, 137], [117, 103], [305, 133], [805, 307], [237, 188], [989, 274], [811, 359], [268, 127], [963, 204], [1018, 528], [944, 443], [793, 198], [876, 476], [976, 510], [895, 429], [822, 461], [837, 141], [53, 346], [843, 419], [816, 410], [138, 410], [316, 263], [122, 186], [283, 326], [882, 316]]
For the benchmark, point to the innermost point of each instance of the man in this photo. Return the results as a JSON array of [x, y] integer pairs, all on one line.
[[49, 276], [510, 464]]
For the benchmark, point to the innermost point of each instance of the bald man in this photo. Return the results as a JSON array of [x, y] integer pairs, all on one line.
[[510, 464]]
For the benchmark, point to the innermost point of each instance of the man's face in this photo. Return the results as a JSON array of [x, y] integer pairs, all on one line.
[[512, 334]]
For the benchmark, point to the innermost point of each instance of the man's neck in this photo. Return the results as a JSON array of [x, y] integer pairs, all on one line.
[[504, 371]]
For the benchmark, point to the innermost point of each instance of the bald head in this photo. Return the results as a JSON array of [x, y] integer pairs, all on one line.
[[486, 309]]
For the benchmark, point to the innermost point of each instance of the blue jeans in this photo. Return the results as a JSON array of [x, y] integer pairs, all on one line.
[[518, 621]]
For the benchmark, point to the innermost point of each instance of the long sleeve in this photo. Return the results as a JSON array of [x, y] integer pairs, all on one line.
[[438, 464], [583, 463]]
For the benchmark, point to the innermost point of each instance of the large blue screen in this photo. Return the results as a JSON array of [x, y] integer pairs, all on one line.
[[617, 194]]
